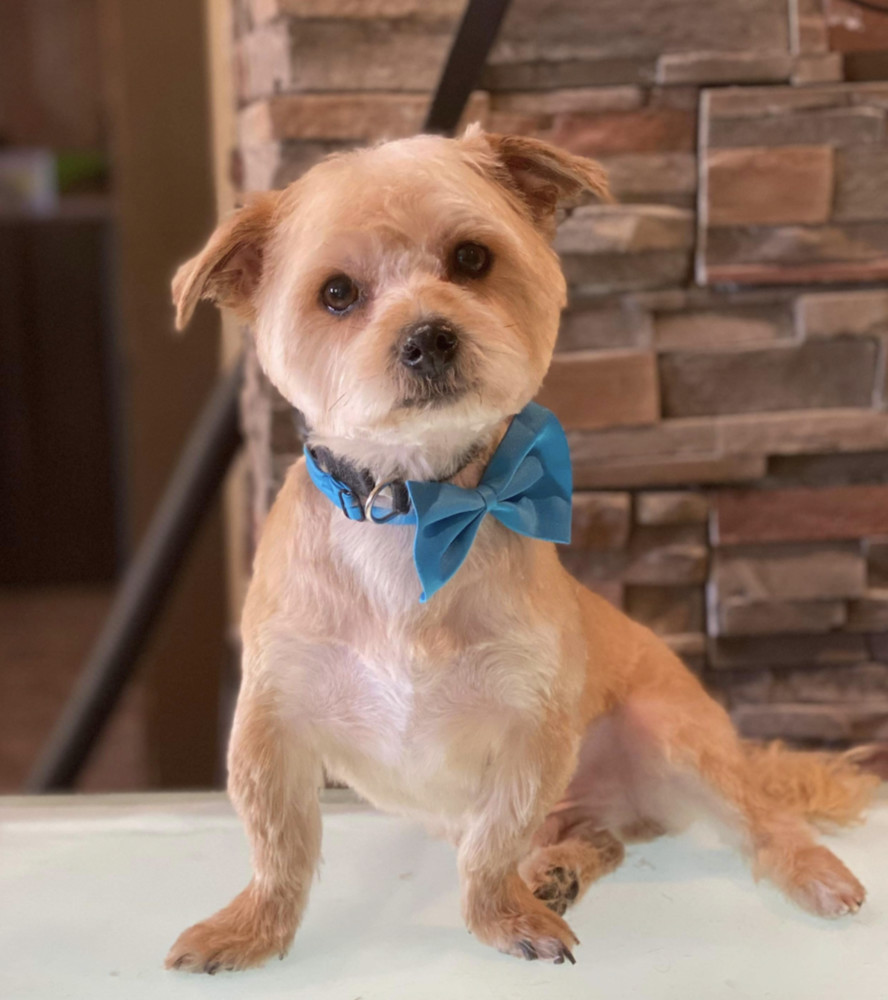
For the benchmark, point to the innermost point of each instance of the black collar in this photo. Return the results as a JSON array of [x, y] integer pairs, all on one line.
[[359, 482]]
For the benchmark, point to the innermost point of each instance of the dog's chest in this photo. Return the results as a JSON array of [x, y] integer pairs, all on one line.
[[423, 733]]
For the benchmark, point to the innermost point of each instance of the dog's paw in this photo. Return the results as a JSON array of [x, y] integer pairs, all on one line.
[[559, 874], [823, 885], [537, 934], [557, 887], [245, 934], [526, 929]]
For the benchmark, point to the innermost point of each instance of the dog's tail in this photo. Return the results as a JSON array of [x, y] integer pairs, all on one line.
[[823, 787]]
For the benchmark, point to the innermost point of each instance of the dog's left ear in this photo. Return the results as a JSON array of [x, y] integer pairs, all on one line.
[[229, 268], [544, 176]]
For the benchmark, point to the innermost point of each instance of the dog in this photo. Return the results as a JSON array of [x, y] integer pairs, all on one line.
[[405, 299]]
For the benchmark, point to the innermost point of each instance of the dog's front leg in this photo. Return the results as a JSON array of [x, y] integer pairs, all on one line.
[[274, 777], [498, 906]]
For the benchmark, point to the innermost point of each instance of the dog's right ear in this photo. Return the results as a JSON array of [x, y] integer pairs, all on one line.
[[229, 268]]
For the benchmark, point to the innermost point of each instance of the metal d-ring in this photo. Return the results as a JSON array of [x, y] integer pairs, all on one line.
[[368, 503]]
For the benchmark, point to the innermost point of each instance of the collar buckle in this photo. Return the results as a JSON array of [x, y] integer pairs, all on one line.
[[355, 513], [371, 499]]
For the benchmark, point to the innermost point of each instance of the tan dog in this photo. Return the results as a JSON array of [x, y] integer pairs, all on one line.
[[515, 712]]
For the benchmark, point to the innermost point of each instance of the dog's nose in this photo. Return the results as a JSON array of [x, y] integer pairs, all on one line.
[[429, 348]]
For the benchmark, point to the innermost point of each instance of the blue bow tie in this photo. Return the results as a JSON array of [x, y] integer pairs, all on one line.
[[527, 487]]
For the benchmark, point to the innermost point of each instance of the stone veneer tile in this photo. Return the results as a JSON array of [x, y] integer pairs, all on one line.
[[601, 520], [592, 389], [854, 723], [675, 507], [829, 314], [820, 374], [668, 471], [787, 572], [733, 617], [757, 652], [789, 184], [803, 431], [837, 512]]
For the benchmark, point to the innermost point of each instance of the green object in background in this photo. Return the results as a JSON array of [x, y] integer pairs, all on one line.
[[82, 171]]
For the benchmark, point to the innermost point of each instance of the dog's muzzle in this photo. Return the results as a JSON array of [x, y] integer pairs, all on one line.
[[429, 348]]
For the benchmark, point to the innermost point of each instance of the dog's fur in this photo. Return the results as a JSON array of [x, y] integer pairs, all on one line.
[[516, 713]]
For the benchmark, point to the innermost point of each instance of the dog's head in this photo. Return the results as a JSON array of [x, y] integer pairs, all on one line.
[[405, 296]]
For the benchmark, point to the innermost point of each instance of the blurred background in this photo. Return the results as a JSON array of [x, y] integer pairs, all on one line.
[[721, 367]]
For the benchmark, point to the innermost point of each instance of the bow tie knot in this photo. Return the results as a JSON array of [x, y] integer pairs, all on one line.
[[489, 496]]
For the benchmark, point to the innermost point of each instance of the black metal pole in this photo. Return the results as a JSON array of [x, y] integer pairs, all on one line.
[[462, 73], [147, 582]]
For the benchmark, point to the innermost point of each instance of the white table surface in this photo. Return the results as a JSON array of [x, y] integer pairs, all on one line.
[[94, 890]]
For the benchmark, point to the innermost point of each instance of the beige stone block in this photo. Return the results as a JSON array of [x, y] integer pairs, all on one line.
[[796, 432], [719, 67], [570, 30], [667, 610], [677, 439], [670, 178], [736, 617], [601, 520], [585, 100], [667, 556], [592, 389], [821, 67], [729, 328], [601, 274], [818, 374], [367, 10], [775, 573], [830, 314], [674, 507], [611, 325], [610, 229], [548, 74], [844, 126], [789, 184], [640, 472], [850, 248], [807, 23], [861, 183], [352, 117], [345, 54], [784, 102], [821, 272]]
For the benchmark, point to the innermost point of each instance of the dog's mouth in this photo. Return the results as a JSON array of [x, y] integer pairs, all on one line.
[[432, 393]]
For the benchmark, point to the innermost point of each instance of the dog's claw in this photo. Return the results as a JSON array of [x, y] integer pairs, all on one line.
[[530, 953], [211, 968], [565, 953], [180, 961]]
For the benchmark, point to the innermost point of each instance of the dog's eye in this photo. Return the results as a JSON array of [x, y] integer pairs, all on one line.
[[471, 260], [339, 293]]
